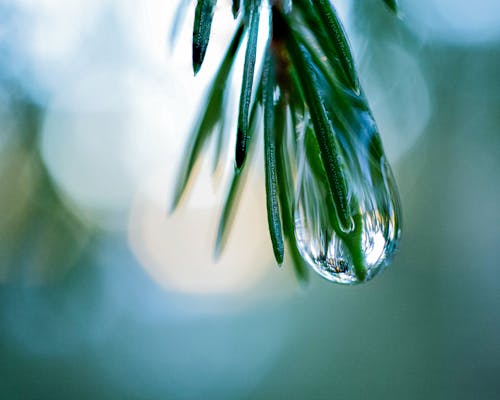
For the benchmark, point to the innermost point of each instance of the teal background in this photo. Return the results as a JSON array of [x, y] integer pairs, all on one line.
[[80, 318]]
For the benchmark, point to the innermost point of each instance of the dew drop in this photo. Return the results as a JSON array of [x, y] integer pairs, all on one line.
[[357, 256]]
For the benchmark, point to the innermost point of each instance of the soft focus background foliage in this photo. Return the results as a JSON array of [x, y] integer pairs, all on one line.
[[104, 296]]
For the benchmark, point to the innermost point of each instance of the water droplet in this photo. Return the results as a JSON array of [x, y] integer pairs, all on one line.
[[359, 255]]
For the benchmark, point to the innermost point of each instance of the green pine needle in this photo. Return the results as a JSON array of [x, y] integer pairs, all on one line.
[[236, 8], [242, 136], [320, 17], [204, 15], [335, 31], [272, 190], [324, 132]]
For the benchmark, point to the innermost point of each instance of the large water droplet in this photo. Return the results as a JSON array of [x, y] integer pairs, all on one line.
[[359, 255]]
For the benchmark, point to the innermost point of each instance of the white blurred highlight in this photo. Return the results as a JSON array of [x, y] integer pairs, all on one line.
[[398, 94], [454, 21], [178, 251], [107, 132], [109, 127]]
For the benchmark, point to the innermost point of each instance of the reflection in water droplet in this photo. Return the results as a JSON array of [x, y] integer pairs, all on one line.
[[359, 255]]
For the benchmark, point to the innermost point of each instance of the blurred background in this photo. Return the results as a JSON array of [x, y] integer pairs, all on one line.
[[103, 295]]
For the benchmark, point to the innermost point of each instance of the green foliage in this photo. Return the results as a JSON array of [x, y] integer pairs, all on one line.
[[309, 88]]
